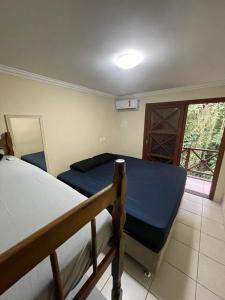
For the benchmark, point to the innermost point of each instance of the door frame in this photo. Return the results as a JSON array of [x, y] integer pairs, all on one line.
[[180, 135], [186, 103]]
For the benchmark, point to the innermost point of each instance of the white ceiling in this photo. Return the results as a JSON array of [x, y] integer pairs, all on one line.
[[183, 41]]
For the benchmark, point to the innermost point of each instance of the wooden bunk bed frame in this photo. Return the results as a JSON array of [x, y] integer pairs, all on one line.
[[23, 257], [6, 143]]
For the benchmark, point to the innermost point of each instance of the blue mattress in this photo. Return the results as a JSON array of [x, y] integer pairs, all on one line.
[[37, 159], [153, 198]]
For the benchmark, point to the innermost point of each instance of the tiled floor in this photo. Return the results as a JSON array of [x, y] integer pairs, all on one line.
[[198, 185], [194, 263]]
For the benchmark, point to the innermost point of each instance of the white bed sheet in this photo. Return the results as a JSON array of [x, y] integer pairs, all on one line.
[[29, 199]]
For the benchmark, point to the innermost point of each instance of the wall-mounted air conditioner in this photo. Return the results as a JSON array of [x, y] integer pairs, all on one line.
[[131, 104]]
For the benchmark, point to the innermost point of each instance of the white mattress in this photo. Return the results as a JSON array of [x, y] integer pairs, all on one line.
[[29, 199]]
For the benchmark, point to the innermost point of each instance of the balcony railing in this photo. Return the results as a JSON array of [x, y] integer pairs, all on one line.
[[199, 162]]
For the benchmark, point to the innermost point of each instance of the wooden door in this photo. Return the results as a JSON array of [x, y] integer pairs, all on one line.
[[218, 166], [164, 131]]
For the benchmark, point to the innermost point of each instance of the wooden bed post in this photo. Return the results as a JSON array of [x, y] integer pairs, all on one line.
[[6, 143], [118, 219]]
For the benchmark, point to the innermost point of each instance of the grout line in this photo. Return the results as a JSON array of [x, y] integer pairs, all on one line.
[[189, 277], [196, 281], [154, 294], [210, 290], [198, 255], [150, 285], [187, 225], [213, 259], [184, 244], [190, 211], [105, 283], [213, 220], [212, 236]]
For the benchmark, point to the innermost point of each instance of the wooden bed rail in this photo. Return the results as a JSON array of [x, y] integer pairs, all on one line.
[[6, 143], [23, 257]]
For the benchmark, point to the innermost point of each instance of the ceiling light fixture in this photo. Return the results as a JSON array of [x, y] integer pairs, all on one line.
[[128, 59]]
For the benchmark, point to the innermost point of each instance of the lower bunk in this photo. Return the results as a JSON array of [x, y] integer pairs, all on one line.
[[50, 234]]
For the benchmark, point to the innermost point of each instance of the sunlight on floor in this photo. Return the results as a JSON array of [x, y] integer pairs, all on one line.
[[198, 185]]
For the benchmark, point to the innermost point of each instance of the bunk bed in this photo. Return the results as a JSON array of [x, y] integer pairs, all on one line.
[[154, 195], [51, 234]]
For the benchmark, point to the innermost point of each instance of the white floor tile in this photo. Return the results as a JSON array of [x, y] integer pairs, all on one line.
[[105, 275], [171, 284], [94, 295], [186, 235], [212, 213], [182, 257], [132, 290], [210, 203], [192, 207], [204, 294], [211, 275], [136, 271], [151, 297], [192, 198], [189, 219], [213, 248], [213, 228]]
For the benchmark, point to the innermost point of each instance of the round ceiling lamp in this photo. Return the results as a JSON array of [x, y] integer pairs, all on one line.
[[128, 59]]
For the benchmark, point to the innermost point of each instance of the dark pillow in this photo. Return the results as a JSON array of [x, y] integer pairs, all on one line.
[[90, 163], [105, 157], [85, 165], [1, 156]]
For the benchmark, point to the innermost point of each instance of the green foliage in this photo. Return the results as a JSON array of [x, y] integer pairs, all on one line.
[[204, 129]]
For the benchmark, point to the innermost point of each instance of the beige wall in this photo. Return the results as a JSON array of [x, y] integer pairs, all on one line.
[[26, 134], [128, 133], [73, 122], [78, 125]]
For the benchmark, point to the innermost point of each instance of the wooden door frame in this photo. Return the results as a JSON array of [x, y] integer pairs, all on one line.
[[181, 126], [218, 167], [186, 103]]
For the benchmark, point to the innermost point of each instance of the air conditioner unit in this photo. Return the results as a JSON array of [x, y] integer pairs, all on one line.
[[131, 104]]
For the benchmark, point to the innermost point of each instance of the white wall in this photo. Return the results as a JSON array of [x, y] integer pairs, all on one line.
[[26, 133], [74, 123]]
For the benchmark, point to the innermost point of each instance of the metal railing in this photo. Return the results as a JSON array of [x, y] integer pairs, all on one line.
[[199, 162]]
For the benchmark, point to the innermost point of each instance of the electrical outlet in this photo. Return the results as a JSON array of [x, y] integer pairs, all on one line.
[[102, 139]]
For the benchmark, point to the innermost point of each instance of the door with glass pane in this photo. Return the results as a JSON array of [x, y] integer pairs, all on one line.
[[164, 130]]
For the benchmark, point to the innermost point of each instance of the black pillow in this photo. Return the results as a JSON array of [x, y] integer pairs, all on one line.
[[105, 157], [90, 163], [1, 156], [85, 165]]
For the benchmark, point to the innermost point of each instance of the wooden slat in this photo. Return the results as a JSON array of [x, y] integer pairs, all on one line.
[[200, 149], [94, 278], [18, 260], [160, 156], [93, 245], [199, 172], [56, 276]]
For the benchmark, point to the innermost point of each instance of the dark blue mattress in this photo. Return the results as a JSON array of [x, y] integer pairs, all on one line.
[[37, 159], [153, 198]]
